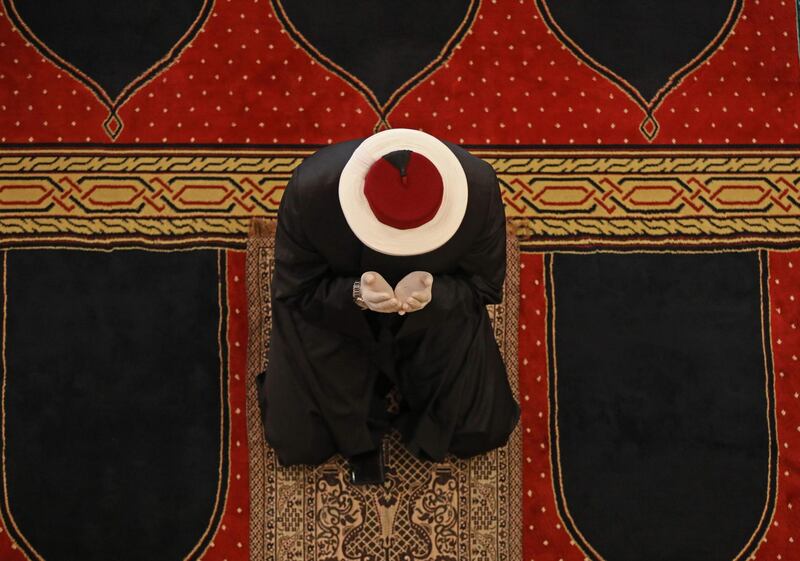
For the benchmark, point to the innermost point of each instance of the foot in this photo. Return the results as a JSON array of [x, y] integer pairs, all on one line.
[[367, 468]]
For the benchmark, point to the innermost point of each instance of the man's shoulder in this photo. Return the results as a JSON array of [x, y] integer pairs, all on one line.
[[326, 164], [477, 169]]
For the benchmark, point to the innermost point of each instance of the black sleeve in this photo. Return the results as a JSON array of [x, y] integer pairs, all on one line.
[[481, 272], [302, 278]]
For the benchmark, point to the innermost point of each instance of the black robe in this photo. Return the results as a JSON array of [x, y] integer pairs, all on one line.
[[330, 364]]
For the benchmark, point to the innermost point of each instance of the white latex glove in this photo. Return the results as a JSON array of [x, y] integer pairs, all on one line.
[[413, 292], [377, 294]]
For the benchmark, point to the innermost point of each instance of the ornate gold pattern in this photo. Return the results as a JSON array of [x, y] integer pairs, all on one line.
[[553, 198], [456, 510]]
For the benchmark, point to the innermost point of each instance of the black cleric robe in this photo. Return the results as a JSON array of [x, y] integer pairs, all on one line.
[[330, 363]]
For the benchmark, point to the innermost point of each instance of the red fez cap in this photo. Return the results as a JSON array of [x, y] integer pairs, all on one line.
[[404, 189], [403, 192]]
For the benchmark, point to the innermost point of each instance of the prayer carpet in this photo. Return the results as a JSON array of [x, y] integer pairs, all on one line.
[[648, 155]]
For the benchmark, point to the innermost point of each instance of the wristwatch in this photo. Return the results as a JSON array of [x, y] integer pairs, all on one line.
[[357, 296]]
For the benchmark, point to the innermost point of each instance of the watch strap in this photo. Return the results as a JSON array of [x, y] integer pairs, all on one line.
[[357, 295]]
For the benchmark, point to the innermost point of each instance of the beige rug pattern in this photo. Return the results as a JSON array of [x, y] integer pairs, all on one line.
[[455, 510]]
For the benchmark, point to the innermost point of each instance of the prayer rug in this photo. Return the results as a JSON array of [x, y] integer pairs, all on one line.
[[455, 509]]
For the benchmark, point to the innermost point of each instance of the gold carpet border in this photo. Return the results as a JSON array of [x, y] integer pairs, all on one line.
[[553, 198]]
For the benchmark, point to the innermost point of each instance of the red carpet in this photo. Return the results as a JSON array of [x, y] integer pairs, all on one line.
[[649, 160]]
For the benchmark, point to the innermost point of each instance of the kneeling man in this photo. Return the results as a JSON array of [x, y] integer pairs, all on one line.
[[387, 251]]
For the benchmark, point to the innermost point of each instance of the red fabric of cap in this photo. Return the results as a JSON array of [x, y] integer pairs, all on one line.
[[404, 202]]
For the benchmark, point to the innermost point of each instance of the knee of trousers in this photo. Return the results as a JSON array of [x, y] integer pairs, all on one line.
[[295, 435], [298, 442], [466, 444]]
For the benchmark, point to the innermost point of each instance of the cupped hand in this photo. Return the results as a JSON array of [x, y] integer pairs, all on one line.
[[413, 292], [377, 294]]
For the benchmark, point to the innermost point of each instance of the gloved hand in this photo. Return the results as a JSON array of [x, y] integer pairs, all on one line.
[[377, 294], [413, 292]]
